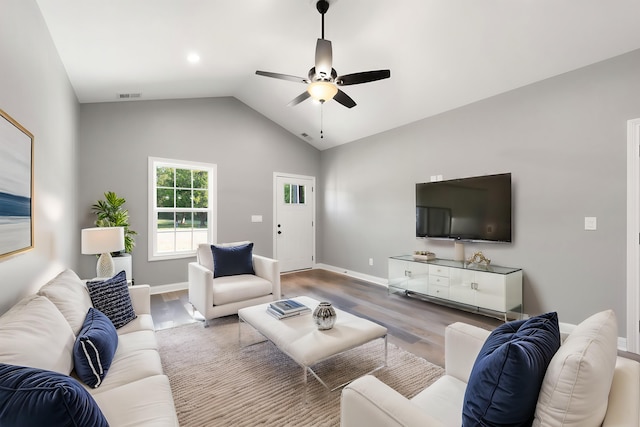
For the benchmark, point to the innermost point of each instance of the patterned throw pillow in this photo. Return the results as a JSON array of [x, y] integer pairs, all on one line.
[[111, 297], [94, 348], [37, 397]]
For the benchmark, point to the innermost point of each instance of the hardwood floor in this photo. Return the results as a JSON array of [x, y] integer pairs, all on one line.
[[414, 325]]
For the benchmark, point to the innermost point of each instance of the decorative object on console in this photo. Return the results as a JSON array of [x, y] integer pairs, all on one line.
[[459, 251], [424, 255], [16, 196], [324, 316], [479, 258], [103, 240]]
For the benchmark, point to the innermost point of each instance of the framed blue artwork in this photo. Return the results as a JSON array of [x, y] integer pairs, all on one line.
[[16, 187]]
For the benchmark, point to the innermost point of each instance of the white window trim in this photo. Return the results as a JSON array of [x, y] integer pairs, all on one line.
[[152, 212]]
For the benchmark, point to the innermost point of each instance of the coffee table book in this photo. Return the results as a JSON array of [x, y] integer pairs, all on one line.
[[281, 316], [288, 306]]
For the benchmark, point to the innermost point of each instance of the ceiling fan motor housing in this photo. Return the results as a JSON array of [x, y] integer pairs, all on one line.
[[322, 6]]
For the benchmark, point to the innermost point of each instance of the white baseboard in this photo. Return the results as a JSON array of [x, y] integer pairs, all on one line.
[[170, 287], [366, 277]]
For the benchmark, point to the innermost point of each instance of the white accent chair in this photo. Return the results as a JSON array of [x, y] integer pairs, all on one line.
[[223, 296]]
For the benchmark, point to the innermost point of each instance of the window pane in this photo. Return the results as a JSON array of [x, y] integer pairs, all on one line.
[[164, 177], [200, 199], [164, 198], [183, 219], [183, 240], [183, 198], [200, 179], [183, 178], [287, 193], [166, 220], [200, 220], [165, 234], [301, 199], [294, 194]]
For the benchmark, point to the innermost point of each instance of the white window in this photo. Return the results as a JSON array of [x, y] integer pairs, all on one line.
[[182, 207]]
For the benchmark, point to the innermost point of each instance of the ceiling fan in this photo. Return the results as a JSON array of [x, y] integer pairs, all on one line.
[[323, 80]]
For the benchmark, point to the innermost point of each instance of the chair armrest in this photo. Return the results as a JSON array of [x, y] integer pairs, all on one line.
[[624, 395], [200, 287], [268, 269], [462, 343], [369, 402], [141, 298]]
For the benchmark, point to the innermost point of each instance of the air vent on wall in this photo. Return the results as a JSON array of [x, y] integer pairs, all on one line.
[[128, 95], [306, 136]]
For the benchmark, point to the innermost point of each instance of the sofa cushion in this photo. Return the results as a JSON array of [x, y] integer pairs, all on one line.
[[37, 397], [94, 348], [232, 260], [111, 297], [70, 295], [123, 407], [506, 377], [34, 333], [576, 386], [243, 287]]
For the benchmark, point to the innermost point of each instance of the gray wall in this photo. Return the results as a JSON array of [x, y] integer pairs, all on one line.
[[35, 91], [563, 140], [116, 140]]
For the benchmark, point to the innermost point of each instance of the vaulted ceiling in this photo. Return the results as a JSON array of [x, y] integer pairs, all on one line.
[[442, 53]]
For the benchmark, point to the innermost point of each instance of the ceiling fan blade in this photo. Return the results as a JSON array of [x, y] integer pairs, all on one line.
[[344, 99], [324, 58], [283, 77], [298, 99], [363, 77]]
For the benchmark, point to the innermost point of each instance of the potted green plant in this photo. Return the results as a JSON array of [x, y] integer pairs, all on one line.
[[111, 213]]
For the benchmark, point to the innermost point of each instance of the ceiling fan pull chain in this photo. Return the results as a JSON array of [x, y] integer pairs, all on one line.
[[321, 120]]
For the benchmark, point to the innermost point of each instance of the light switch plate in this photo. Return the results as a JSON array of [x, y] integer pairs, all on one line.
[[590, 223], [256, 218]]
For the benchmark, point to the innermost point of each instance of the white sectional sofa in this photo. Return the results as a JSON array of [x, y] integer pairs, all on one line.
[[40, 332], [585, 384]]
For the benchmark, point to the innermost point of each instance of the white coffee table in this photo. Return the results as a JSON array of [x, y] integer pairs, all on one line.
[[299, 338]]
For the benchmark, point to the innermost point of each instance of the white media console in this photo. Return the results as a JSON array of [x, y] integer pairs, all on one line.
[[484, 289]]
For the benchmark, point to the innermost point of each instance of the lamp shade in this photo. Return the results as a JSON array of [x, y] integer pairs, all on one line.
[[102, 240], [322, 91]]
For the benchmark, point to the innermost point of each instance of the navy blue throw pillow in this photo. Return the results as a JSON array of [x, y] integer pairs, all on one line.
[[94, 348], [507, 375], [232, 260], [36, 397], [112, 297]]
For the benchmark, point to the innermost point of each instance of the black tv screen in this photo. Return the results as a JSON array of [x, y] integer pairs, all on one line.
[[469, 209]]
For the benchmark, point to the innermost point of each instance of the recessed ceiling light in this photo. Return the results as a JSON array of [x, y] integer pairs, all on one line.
[[193, 58]]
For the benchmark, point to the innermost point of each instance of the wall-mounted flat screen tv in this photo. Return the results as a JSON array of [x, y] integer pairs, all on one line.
[[467, 209]]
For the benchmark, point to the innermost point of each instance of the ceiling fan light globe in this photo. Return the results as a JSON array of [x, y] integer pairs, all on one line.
[[322, 91]]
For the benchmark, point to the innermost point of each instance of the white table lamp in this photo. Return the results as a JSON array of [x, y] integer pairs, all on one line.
[[103, 241]]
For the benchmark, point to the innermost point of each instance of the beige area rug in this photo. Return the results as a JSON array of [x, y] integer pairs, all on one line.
[[216, 382]]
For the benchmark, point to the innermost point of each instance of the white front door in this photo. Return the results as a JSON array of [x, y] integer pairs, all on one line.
[[294, 225]]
